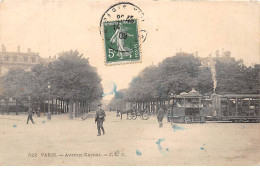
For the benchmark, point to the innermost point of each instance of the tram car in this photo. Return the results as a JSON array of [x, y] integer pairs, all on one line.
[[236, 107], [190, 108], [193, 107]]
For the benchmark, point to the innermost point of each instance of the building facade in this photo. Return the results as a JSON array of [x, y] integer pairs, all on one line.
[[23, 60]]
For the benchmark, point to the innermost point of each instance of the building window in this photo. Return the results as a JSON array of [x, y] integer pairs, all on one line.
[[25, 59], [6, 58], [33, 59], [15, 58]]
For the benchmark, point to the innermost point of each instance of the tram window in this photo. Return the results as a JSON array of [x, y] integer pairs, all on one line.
[[206, 104], [178, 104], [15, 58], [6, 58], [33, 59], [25, 59]]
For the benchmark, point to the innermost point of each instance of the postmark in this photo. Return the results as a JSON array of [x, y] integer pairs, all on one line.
[[123, 31]]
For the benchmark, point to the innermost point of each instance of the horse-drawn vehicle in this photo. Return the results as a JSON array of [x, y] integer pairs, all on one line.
[[133, 113]]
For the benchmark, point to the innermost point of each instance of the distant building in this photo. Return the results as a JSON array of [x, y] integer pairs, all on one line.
[[206, 62], [18, 59], [209, 60]]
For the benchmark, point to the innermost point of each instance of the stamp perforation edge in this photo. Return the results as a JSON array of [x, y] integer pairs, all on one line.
[[122, 62]]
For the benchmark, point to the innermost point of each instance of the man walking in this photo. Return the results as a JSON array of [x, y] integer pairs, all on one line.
[[30, 114], [117, 113], [160, 116], [99, 119]]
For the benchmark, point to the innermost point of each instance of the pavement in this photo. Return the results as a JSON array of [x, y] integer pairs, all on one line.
[[61, 141]]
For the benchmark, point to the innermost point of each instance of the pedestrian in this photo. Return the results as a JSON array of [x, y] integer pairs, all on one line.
[[37, 112], [30, 114], [134, 109], [99, 119], [117, 112], [82, 113], [160, 116]]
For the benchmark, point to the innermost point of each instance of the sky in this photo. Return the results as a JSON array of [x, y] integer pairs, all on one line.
[[53, 26]]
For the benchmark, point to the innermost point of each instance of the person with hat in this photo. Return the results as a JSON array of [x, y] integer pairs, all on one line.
[[160, 116], [30, 114], [99, 119]]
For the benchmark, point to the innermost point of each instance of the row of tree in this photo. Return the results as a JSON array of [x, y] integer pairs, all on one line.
[[183, 72], [70, 80]]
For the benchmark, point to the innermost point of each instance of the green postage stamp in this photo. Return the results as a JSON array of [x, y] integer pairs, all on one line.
[[121, 41]]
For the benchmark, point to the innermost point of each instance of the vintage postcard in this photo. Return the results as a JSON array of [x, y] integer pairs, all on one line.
[[129, 83]]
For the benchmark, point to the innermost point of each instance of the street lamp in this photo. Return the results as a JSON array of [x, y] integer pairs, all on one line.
[[170, 114], [29, 99], [171, 98], [49, 94], [38, 107]]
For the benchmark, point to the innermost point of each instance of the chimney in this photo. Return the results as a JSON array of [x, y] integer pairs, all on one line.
[[29, 50], [18, 49], [217, 53], [196, 54], [3, 48]]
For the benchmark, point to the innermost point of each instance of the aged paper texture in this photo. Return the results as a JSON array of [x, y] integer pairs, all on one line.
[[129, 83]]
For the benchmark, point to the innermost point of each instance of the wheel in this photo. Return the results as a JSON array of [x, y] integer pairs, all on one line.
[[187, 119], [134, 116], [252, 121], [202, 119], [168, 119], [145, 116], [160, 124], [138, 113], [129, 116], [173, 120]]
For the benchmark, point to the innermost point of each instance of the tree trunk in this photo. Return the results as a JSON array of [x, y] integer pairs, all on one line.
[[56, 106], [7, 105], [16, 106], [84, 106], [51, 106], [44, 109], [64, 106], [38, 108], [87, 107], [68, 106], [76, 108], [71, 109], [61, 106]]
